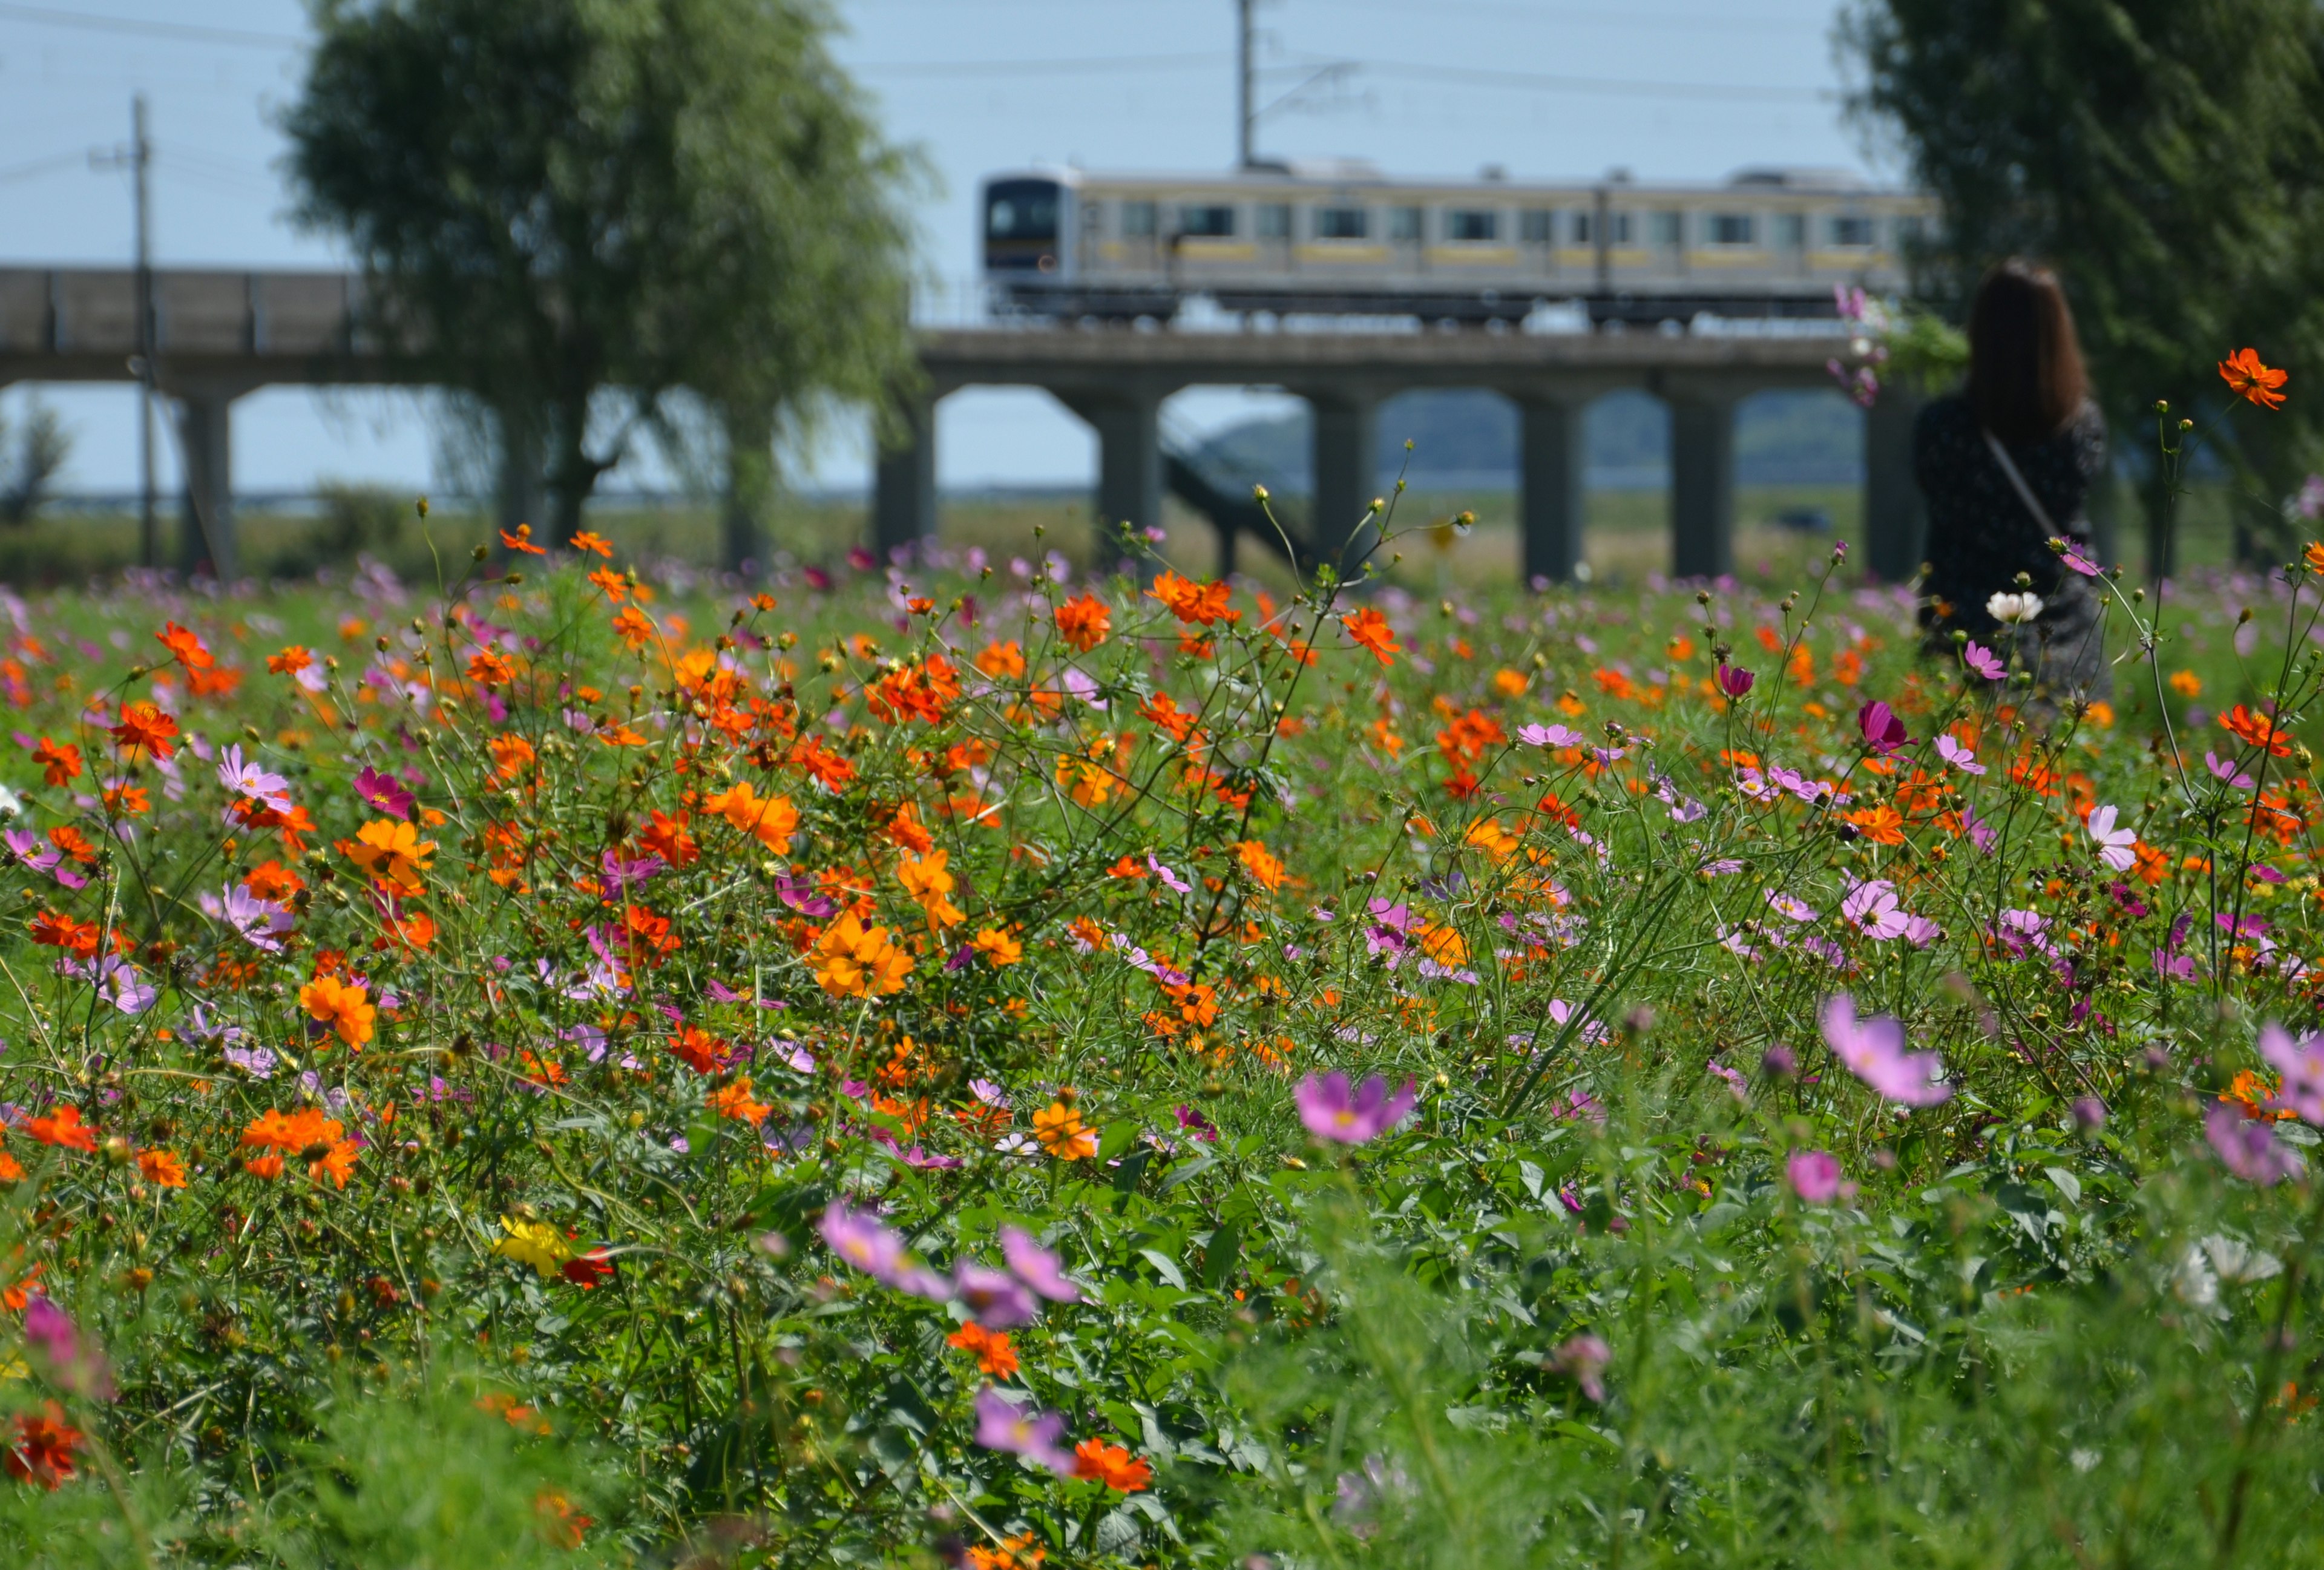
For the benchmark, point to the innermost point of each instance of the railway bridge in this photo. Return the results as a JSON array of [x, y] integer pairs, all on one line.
[[219, 335]]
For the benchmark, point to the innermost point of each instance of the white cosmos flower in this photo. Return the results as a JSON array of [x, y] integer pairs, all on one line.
[[2014, 609]]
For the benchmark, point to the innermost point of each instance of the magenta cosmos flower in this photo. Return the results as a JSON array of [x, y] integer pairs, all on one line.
[[1036, 1266], [1874, 1051], [1330, 1111], [1039, 1437], [1815, 1177], [1884, 731], [994, 1298], [2300, 1062], [1734, 681], [1983, 661], [858, 1237]]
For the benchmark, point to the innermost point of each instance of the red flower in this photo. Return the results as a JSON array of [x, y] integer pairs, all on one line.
[[2247, 379], [44, 1448]]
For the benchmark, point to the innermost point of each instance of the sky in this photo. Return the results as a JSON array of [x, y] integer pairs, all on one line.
[[1670, 89]]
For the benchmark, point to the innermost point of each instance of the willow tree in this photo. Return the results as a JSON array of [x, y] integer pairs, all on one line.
[[573, 209], [2166, 155]]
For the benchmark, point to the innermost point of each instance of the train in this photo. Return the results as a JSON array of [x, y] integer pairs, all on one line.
[[1340, 238]]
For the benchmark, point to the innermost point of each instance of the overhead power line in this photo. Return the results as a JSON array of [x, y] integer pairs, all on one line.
[[189, 31], [40, 165], [1483, 77], [1089, 65]]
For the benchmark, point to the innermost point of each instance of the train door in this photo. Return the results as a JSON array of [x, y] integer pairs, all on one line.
[[1407, 238], [1791, 245], [1272, 228]]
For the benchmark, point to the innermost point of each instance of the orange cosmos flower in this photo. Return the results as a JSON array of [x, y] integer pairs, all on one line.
[[856, 961], [586, 540], [521, 540], [2249, 380], [994, 1353], [1001, 660], [2255, 730], [12, 1172], [1085, 623], [145, 728], [162, 1168], [308, 1135], [184, 647], [633, 627], [55, 929], [63, 1129], [1021, 1552], [1882, 825], [392, 853], [772, 820], [59, 762], [290, 662], [615, 586], [1060, 1129], [1110, 1464], [1191, 602], [1259, 862], [346, 1008], [41, 1450], [490, 668], [734, 1101], [998, 947], [926, 879], [1370, 629]]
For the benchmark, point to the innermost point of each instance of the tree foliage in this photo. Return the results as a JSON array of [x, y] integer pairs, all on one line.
[[2166, 155], [560, 198]]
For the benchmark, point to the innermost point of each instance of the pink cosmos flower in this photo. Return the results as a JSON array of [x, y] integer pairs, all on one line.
[[2070, 554], [2248, 1148], [1583, 1360], [2226, 771], [994, 1298], [2300, 1062], [70, 1361], [1330, 1111], [1874, 1051], [242, 779], [1002, 1424], [1815, 1177], [1550, 736], [859, 1237], [1884, 731], [1036, 1266], [1958, 756], [1983, 661], [1785, 905], [1871, 907], [385, 793], [2115, 845]]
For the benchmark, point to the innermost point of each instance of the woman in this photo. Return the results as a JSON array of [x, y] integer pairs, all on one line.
[[2005, 464]]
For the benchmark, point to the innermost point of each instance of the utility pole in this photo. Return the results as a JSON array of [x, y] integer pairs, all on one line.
[[1245, 121], [141, 155], [136, 157]]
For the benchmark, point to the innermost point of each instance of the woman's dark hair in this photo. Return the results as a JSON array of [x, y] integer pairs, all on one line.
[[2025, 377]]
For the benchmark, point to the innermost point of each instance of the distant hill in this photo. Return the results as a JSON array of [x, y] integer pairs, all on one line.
[[1468, 439]]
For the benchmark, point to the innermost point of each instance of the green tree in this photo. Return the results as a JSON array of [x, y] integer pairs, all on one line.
[[574, 207], [2166, 155]]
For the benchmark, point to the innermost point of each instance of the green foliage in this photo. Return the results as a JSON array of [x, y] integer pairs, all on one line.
[[563, 200], [42, 448]]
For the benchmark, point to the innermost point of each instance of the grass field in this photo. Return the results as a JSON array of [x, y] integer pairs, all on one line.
[[596, 1065]]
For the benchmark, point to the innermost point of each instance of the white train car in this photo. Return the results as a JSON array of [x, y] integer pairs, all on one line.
[[1340, 238]]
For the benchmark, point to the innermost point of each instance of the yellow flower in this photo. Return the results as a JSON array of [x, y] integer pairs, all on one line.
[[1060, 1129], [392, 853], [857, 960], [998, 947], [926, 879], [772, 819], [535, 1244]]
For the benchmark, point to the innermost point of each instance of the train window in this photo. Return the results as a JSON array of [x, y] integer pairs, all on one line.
[[1210, 221], [1471, 224], [1138, 220], [1851, 229], [1341, 223], [1669, 228], [1584, 227], [1536, 226], [1620, 224], [1274, 220], [1731, 229], [1791, 231], [1022, 210], [1405, 223]]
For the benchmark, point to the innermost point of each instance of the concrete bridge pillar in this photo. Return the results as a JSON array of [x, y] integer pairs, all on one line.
[[1347, 476], [1702, 483], [904, 480], [206, 441], [1895, 525], [1128, 423], [1550, 453]]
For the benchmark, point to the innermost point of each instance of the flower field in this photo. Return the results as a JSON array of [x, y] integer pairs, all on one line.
[[958, 1063]]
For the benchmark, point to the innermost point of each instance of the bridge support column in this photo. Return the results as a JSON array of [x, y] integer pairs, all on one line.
[[1128, 466], [1895, 529], [904, 481], [1347, 476], [1549, 488], [1702, 484], [206, 442]]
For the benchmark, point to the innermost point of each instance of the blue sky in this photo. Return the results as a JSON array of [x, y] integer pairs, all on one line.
[[1670, 89]]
